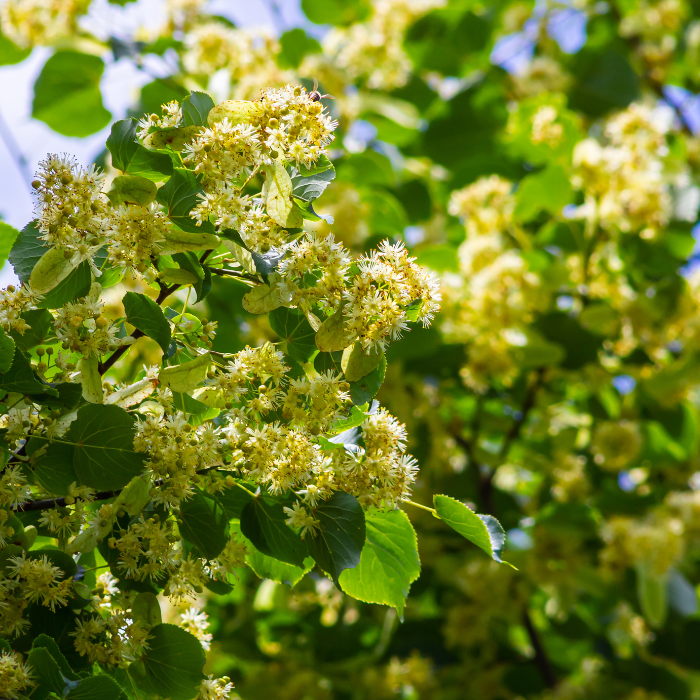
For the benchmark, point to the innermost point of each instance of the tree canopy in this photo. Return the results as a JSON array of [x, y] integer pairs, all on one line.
[[266, 327]]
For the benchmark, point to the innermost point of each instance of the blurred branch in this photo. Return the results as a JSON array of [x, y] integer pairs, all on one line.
[[541, 659], [15, 152]]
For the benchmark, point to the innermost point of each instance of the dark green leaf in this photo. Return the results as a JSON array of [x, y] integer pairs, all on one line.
[[293, 328], [234, 499], [186, 404], [54, 469], [129, 156], [389, 562], [195, 109], [341, 534], [104, 456], [97, 688], [40, 324], [46, 670], [483, 530], [313, 186], [76, 285], [45, 642], [21, 379], [179, 196], [67, 94], [26, 251], [57, 558], [263, 523], [172, 666], [143, 313], [7, 351], [267, 263], [204, 524], [364, 390]]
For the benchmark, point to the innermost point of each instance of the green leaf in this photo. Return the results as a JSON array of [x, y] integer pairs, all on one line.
[[10, 53], [182, 241], [389, 562], [195, 109], [293, 328], [67, 94], [483, 530], [187, 404], [234, 499], [263, 523], [51, 269], [26, 251], [8, 235], [132, 189], [338, 12], [172, 666], [7, 351], [76, 285], [179, 197], [97, 688], [204, 524], [146, 609], [104, 456], [358, 415], [143, 313], [312, 186], [267, 567], [341, 534], [549, 190], [20, 378], [185, 377], [364, 390], [356, 364], [57, 558], [46, 670], [295, 45], [129, 156]]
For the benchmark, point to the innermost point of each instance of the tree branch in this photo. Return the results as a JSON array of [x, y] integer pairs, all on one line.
[[541, 659]]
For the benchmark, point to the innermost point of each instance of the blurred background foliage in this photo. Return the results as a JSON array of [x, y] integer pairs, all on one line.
[[543, 158]]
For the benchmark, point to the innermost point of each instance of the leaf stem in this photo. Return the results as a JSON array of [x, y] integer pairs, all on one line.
[[418, 505]]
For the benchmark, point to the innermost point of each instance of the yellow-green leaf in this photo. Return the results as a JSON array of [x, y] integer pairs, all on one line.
[[91, 379], [185, 377], [132, 189], [356, 364], [174, 275], [332, 336], [263, 298], [50, 270], [183, 241], [277, 193], [236, 111], [176, 138]]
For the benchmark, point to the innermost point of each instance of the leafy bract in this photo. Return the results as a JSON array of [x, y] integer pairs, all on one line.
[[483, 530], [143, 313], [356, 363], [277, 193], [51, 269], [389, 562], [263, 298], [7, 351], [172, 666], [185, 377], [104, 456], [337, 544], [132, 189]]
